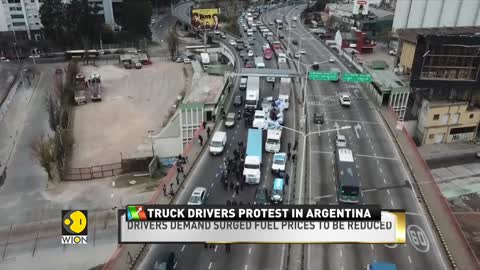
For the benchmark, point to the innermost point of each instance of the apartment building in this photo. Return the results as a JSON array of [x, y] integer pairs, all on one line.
[[21, 18], [444, 69]]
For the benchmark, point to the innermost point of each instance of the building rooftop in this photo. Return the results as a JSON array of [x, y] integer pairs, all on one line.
[[206, 89], [386, 80], [411, 34], [380, 13]]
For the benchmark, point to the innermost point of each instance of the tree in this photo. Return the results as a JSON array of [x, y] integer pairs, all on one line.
[[385, 37], [43, 151], [52, 16], [136, 18], [172, 42], [84, 22], [53, 109]]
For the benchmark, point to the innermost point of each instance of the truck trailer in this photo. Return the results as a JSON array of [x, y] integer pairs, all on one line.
[[284, 92], [253, 157], [253, 93]]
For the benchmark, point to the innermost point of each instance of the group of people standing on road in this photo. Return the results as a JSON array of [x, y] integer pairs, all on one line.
[[231, 174]]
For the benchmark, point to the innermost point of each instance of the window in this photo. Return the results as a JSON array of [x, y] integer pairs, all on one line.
[[12, 9], [32, 1], [471, 115], [454, 131], [436, 116], [35, 16], [431, 136], [19, 8], [18, 23], [16, 16], [37, 23], [14, 1]]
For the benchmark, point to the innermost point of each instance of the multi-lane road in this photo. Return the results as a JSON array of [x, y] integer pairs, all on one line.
[[385, 181]]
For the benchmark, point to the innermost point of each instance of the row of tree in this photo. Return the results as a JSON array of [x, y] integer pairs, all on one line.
[[79, 22]]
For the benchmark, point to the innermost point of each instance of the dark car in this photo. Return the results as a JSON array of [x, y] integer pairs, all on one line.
[[294, 42], [237, 101], [248, 65], [165, 261], [318, 118], [243, 54], [261, 196], [281, 37], [240, 47]]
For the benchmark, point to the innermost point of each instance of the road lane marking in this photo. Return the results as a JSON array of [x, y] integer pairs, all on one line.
[[353, 121], [183, 248], [175, 265], [341, 252], [377, 157], [323, 196], [414, 214], [246, 266], [210, 265], [371, 247], [249, 251], [409, 259], [320, 152], [282, 257], [388, 191], [211, 184], [380, 169], [391, 202], [216, 247]]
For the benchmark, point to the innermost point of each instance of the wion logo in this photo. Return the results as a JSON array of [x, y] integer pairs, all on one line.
[[74, 227]]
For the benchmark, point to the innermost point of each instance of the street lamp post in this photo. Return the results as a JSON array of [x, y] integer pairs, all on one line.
[[150, 133], [304, 147]]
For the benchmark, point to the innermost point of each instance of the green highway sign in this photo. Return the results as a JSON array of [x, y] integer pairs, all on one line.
[[322, 76], [357, 77]]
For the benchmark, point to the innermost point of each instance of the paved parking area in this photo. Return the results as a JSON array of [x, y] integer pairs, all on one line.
[[134, 101]]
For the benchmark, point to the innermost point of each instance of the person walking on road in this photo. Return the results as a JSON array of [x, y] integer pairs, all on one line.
[[287, 177], [164, 190], [295, 146], [294, 156], [200, 140], [289, 147], [232, 186], [289, 155], [208, 132], [237, 187], [204, 124]]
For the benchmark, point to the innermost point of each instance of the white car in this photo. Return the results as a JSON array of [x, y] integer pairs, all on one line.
[[36, 56], [187, 60], [198, 197], [297, 55], [259, 119], [271, 79], [266, 46], [216, 32], [302, 51], [278, 162], [294, 18], [393, 52], [345, 100], [233, 42], [340, 141], [293, 26], [331, 59], [250, 53]]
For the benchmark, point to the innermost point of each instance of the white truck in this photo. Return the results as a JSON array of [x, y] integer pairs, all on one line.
[[273, 140], [205, 59], [243, 83], [250, 20], [259, 62], [259, 119], [284, 92], [253, 93], [253, 158]]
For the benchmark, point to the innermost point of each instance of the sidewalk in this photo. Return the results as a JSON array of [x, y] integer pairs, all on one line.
[[126, 256], [450, 233], [451, 151]]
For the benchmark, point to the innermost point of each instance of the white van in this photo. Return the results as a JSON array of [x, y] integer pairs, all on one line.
[[218, 142]]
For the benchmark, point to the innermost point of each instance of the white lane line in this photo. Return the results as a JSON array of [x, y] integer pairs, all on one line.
[[323, 196], [409, 259], [183, 248], [384, 180], [249, 251], [391, 202], [175, 265], [354, 121], [210, 265], [375, 156], [341, 252], [388, 191], [321, 152], [380, 169], [246, 266], [216, 247], [371, 247], [211, 184], [414, 214], [233, 195], [282, 257], [369, 190]]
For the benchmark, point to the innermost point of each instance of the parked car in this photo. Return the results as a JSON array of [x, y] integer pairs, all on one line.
[[230, 119], [345, 100], [341, 141], [331, 59], [271, 79], [248, 65], [318, 118], [261, 196], [302, 51], [187, 61], [237, 101], [178, 60], [198, 197], [138, 65]]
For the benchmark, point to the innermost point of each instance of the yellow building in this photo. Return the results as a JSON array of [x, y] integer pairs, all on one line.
[[446, 122]]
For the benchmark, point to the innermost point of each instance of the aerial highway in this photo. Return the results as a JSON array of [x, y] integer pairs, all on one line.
[[206, 174], [384, 178]]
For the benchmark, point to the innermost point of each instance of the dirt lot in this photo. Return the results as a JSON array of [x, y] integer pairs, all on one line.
[[133, 102], [467, 211]]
